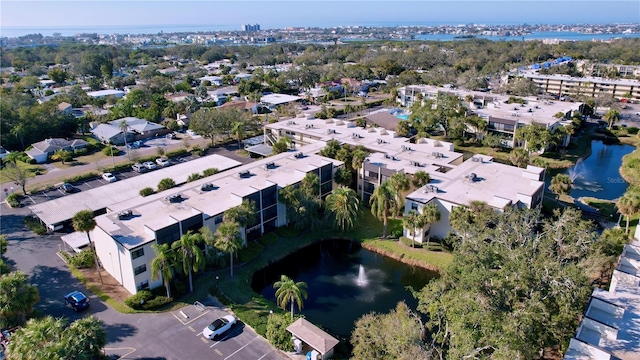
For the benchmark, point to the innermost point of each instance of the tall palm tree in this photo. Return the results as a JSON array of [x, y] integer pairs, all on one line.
[[17, 298], [37, 339], [164, 265], [420, 179], [344, 207], [414, 220], [462, 219], [629, 205], [83, 221], [611, 117], [188, 251], [431, 214], [228, 239], [238, 129], [124, 127], [382, 201], [400, 183], [289, 291], [83, 339]]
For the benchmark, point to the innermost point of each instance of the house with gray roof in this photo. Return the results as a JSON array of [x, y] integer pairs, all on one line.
[[40, 151], [137, 129]]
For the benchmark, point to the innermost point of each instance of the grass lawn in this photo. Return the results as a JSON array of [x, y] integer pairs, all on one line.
[[606, 207], [32, 171]]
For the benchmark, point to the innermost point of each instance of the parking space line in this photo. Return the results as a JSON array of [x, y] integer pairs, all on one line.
[[192, 329], [215, 343], [204, 340], [45, 194], [245, 345], [122, 348], [262, 357], [190, 321], [86, 183]]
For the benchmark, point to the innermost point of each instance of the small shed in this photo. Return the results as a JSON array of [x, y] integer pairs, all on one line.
[[312, 336]]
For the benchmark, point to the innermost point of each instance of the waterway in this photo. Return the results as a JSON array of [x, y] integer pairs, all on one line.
[[339, 291], [561, 35], [599, 174]]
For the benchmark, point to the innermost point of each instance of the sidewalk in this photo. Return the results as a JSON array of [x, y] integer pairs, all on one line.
[[56, 175]]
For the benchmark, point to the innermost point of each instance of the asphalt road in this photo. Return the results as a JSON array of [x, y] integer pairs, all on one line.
[[129, 336]]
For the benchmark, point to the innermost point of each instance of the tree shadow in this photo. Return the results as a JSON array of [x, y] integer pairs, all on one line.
[[118, 332]]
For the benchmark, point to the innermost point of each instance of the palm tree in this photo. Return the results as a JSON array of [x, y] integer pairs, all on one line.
[[560, 185], [83, 221], [382, 201], [612, 116], [238, 129], [400, 183], [344, 207], [17, 298], [290, 291], [629, 205], [431, 214], [420, 179], [414, 220], [188, 251], [83, 339], [228, 239], [164, 264], [37, 339], [61, 155], [123, 126]]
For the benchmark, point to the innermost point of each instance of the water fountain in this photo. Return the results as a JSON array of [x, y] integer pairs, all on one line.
[[576, 171], [362, 277]]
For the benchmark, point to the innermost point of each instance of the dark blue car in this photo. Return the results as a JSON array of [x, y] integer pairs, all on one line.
[[77, 300]]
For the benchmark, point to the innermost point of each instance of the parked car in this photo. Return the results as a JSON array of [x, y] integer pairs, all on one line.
[[137, 167], [109, 177], [68, 188], [163, 162], [77, 300], [150, 165], [219, 327]]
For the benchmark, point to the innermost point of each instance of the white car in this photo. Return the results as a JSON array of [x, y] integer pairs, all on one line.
[[150, 165], [219, 327], [163, 162], [109, 177]]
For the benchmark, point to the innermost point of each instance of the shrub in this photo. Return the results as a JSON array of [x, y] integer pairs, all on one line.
[[13, 200], [81, 152], [194, 177], [633, 130], [156, 303], [250, 252], [165, 184], [177, 152], [277, 333], [83, 259], [35, 225], [83, 177], [146, 191], [210, 171], [287, 231], [197, 150], [396, 232], [138, 300], [268, 239], [107, 150]]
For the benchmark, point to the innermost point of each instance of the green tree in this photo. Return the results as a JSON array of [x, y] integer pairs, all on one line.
[[188, 251], [228, 239], [343, 176], [382, 201], [396, 335], [400, 183], [431, 214], [289, 291], [3, 244], [83, 221], [629, 205], [413, 221], [536, 137], [611, 117], [164, 265], [420, 178], [244, 214], [560, 185], [124, 127], [62, 155], [277, 333], [17, 173], [83, 339], [58, 75], [282, 145], [17, 298], [237, 129], [519, 157], [343, 208]]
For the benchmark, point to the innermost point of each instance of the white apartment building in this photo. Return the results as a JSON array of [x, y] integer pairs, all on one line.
[[565, 85]]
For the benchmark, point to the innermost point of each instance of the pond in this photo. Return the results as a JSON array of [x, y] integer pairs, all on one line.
[[599, 174], [344, 282]]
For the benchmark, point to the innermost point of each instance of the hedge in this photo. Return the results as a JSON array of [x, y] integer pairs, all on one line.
[[268, 239], [146, 191], [176, 152], [35, 225], [250, 252], [82, 177]]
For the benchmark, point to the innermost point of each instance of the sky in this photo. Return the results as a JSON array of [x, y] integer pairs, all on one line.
[[305, 13]]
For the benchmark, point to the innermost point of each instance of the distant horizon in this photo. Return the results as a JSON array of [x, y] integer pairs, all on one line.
[[62, 14]]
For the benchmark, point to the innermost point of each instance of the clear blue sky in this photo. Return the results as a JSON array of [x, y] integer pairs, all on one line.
[[272, 14]]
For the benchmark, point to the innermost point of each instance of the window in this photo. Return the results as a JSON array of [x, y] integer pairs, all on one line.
[[140, 269], [143, 285], [137, 253], [218, 219], [414, 206]]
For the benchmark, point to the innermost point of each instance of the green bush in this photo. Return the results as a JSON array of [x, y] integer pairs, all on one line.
[[287, 231], [176, 152], [81, 152], [138, 300], [34, 225], [165, 184], [83, 177], [210, 171], [277, 333], [82, 260], [156, 303], [194, 177], [407, 242], [13, 200], [107, 150], [197, 150], [633, 130], [146, 191], [396, 231], [250, 252], [268, 239]]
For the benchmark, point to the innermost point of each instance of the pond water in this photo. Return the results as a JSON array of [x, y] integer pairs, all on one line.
[[344, 282], [599, 174]]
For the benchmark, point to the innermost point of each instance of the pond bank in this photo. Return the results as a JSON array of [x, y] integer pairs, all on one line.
[[428, 260]]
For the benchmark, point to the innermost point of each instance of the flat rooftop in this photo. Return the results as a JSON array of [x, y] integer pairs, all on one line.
[[63, 209], [496, 184]]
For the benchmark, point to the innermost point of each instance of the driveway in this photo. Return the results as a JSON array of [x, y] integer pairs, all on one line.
[[175, 335]]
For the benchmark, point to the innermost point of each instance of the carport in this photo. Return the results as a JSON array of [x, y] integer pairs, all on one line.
[[263, 150], [306, 335], [76, 240]]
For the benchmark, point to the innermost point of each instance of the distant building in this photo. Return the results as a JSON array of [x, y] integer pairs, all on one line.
[[251, 27], [104, 93], [40, 151]]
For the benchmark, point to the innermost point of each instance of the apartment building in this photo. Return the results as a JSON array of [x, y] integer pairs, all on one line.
[[565, 85], [124, 235]]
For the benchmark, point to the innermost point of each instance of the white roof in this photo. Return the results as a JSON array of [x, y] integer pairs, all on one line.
[[277, 99], [312, 335], [100, 93]]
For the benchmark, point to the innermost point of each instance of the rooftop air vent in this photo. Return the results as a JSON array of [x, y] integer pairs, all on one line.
[[299, 155], [174, 198], [476, 159], [403, 148], [472, 177], [244, 174], [270, 165], [206, 187], [125, 214]]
